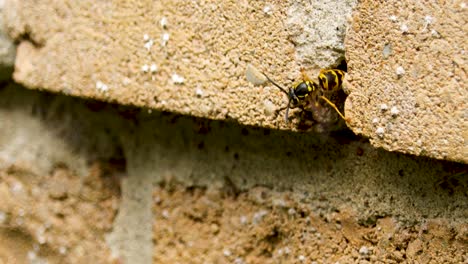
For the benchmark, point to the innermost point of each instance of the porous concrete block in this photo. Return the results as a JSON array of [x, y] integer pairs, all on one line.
[[187, 57], [407, 65], [407, 61]]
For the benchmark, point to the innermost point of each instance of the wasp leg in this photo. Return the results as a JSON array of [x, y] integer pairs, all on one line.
[[304, 75], [277, 111], [334, 107], [286, 115]]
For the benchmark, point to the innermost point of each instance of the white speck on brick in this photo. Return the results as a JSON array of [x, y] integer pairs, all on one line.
[[41, 239], [394, 111], [145, 68], [400, 71], [153, 68], [363, 250], [243, 220], [254, 76], [428, 19], [32, 255], [62, 250], [380, 131], [269, 108], [239, 261], [164, 39], [157, 199], [99, 85], [267, 10], [149, 44], [126, 81], [404, 28], [383, 107], [16, 187], [387, 50], [393, 18], [301, 258], [258, 216], [165, 214], [375, 120], [3, 217], [199, 92], [284, 250], [463, 5], [279, 202], [163, 22], [177, 79], [434, 33], [102, 86], [227, 252], [146, 37], [291, 211]]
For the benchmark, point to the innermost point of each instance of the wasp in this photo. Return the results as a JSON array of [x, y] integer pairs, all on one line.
[[329, 80]]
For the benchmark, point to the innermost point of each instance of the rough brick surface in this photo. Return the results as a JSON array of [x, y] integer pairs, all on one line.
[[199, 49], [407, 61], [407, 77]]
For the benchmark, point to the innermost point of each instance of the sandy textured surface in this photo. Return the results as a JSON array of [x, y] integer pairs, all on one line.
[[215, 225], [407, 77], [86, 180], [79, 48], [407, 61], [180, 56]]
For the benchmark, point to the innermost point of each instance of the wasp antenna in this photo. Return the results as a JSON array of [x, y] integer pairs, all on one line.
[[286, 116], [275, 84]]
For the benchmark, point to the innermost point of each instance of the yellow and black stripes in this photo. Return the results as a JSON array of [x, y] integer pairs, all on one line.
[[331, 80]]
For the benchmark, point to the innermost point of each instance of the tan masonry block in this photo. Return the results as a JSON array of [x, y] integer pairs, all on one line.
[[407, 65], [407, 61]]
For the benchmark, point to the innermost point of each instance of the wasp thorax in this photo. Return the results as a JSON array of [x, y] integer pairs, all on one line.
[[303, 89]]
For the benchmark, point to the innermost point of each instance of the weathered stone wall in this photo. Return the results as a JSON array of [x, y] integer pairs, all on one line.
[[407, 60], [86, 181]]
